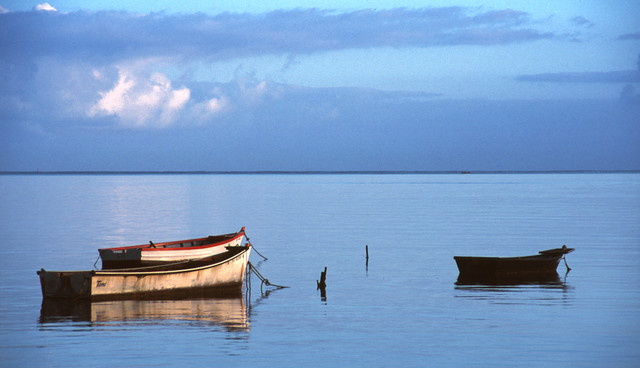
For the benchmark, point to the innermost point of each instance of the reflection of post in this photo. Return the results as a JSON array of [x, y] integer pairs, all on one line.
[[322, 284]]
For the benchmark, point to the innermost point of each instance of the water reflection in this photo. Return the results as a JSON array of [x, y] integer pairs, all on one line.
[[133, 204], [545, 290], [551, 278], [228, 312]]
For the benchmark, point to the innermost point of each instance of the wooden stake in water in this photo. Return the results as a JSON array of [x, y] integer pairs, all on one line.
[[322, 284], [367, 249]]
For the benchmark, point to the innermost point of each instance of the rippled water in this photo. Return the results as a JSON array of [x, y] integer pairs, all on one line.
[[403, 308]]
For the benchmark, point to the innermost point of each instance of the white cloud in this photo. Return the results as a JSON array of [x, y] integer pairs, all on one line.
[[179, 98], [141, 98], [140, 101], [259, 90], [113, 101], [156, 92], [45, 7], [3, 10], [217, 104]]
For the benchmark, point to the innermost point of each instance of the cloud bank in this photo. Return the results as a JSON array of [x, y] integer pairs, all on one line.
[[113, 36], [106, 64], [350, 129], [629, 36], [103, 90], [624, 76], [620, 77]]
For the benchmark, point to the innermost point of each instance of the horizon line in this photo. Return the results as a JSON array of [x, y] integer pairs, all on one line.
[[302, 172]]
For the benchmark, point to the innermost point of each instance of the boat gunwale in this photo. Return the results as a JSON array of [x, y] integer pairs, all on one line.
[[545, 255], [537, 257], [141, 270]]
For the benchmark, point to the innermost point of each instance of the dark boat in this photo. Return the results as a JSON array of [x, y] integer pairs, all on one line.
[[496, 269]]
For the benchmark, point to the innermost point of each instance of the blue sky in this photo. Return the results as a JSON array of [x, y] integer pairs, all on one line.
[[320, 85]]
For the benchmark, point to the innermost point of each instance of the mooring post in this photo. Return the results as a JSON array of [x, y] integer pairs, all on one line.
[[322, 284], [367, 250]]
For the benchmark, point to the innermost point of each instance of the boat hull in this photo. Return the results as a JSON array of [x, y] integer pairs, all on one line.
[[530, 268], [507, 266], [168, 252], [223, 273]]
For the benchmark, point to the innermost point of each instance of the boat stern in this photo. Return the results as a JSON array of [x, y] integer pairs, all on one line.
[[65, 284], [120, 258]]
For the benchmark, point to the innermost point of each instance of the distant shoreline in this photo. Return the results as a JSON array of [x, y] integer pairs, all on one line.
[[314, 172]]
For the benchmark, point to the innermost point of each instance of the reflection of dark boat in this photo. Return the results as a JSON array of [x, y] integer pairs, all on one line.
[[222, 272], [549, 279], [548, 290], [168, 252], [228, 311], [539, 267]]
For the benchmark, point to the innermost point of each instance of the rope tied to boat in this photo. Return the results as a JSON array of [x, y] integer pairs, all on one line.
[[264, 280], [565, 263], [254, 248]]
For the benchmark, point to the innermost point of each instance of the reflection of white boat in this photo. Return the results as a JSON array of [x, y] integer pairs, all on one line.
[[174, 251], [222, 272], [229, 313]]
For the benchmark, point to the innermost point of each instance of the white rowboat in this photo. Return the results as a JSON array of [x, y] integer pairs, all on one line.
[[224, 272], [169, 252]]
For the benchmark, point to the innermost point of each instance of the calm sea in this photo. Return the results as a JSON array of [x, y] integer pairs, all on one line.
[[402, 309]]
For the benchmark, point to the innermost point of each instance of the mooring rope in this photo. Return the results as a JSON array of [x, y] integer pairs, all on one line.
[[262, 278], [254, 248]]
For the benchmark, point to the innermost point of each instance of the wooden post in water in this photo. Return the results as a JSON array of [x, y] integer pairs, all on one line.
[[322, 284], [367, 249]]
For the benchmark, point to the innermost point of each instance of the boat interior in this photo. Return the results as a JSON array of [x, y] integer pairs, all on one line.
[[212, 239]]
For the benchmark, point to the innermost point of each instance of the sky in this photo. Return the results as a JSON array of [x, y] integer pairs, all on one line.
[[319, 85]]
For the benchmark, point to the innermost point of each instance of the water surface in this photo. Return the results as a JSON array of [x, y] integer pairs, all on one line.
[[402, 309]]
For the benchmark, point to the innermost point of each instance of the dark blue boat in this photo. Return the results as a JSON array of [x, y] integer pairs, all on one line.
[[495, 269]]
